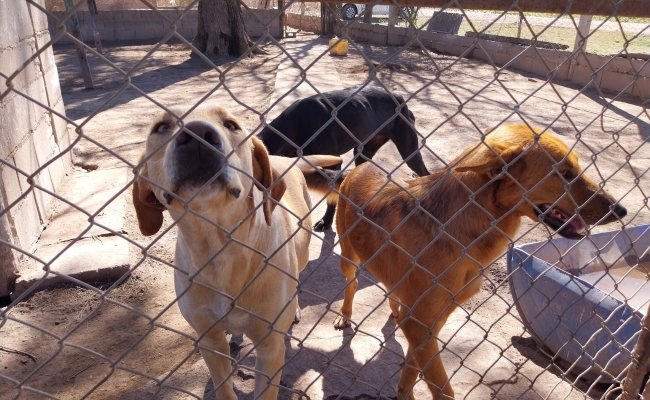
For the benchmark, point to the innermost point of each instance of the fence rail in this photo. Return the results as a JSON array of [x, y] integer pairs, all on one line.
[[634, 8]]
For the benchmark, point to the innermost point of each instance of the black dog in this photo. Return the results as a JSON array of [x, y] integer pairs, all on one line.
[[337, 121]]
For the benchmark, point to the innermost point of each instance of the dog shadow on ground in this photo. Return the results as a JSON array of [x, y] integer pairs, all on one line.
[[542, 357], [349, 371], [359, 362]]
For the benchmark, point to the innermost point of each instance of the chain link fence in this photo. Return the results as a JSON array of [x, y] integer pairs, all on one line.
[[90, 304]]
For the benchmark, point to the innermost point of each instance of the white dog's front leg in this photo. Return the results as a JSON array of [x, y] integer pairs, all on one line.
[[268, 366], [199, 306], [216, 353]]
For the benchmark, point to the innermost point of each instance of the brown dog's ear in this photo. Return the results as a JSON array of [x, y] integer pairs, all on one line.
[[267, 178], [487, 158], [147, 208]]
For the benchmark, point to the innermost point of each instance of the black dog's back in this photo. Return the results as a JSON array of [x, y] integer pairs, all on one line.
[[308, 123], [365, 120]]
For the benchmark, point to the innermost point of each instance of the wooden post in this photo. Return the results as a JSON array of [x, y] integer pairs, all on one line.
[[584, 27], [281, 18], [640, 363], [92, 10], [367, 14], [73, 26], [580, 43], [393, 14]]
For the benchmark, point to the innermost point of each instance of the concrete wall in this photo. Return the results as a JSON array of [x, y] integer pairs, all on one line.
[[150, 25], [309, 23], [613, 74], [31, 135]]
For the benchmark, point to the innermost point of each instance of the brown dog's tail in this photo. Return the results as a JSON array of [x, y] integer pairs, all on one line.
[[326, 182]]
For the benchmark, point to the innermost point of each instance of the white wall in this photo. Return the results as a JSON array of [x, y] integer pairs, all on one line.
[[32, 136]]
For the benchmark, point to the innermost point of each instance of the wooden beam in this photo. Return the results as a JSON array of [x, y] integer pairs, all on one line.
[[623, 8]]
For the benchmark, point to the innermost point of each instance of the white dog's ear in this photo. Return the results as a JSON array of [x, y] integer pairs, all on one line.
[[267, 179], [147, 208]]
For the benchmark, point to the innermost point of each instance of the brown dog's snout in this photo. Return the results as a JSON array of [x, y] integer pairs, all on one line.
[[201, 130], [602, 209], [618, 211]]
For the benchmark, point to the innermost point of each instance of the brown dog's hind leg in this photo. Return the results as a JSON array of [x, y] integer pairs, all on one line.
[[423, 356], [394, 304]]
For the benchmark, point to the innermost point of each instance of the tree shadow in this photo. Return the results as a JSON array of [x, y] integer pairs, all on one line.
[[127, 72], [117, 81], [642, 126]]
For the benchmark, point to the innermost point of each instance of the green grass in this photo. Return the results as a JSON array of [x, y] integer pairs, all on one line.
[[595, 17], [599, 42]]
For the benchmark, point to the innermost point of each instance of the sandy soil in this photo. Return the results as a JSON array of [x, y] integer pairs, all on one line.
[[129, 341]]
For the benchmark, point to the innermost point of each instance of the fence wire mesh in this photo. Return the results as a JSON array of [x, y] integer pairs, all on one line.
[[149, 252]]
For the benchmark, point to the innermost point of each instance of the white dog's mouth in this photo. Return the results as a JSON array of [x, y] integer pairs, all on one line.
[[568, 225], [198, 187]]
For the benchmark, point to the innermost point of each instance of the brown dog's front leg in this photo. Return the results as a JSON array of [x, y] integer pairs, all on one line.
[[350, 272]]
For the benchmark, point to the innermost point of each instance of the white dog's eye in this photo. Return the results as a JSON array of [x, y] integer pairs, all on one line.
[[230, 125], [161, 127]]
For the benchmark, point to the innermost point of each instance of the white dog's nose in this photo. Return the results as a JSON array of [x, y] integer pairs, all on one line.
[[198, 155], [199, 129]]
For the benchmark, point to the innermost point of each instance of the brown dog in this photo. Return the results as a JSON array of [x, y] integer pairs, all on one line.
[[428, 239], [243, 234]]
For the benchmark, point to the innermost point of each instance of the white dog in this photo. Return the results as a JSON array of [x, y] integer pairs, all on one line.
[[243, 234]]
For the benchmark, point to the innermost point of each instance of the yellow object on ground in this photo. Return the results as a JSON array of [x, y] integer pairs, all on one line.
[[338, 47]]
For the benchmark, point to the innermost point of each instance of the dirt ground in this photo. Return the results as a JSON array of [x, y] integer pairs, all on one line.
[[129, 341]]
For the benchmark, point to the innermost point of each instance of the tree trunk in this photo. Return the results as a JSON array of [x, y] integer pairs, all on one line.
[[221, 29], [367, 14]]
